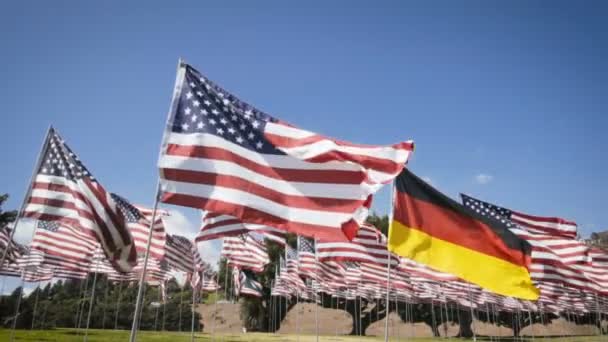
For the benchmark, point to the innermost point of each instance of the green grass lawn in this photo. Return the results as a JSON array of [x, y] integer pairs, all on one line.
[[70, 335]]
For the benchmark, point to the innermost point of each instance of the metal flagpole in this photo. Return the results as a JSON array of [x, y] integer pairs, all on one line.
[[82, 303], [193, 310], [105, 304], [181, 302], [142, 282], [80, 295], [172, 108], [157, 309], [217, 298], [162, 326], [91, 302], [471, 309], [316, 291], [14, 324], [143, 304], [388, 264], [118, 305], [298, 316], [25, 198], [35, 305]]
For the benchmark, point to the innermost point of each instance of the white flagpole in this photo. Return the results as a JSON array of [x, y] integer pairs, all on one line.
[[316, 292], [388, 265], [172, 108], [26, 197], [193, 311], [14, 324], [86, 331], [35, 305]]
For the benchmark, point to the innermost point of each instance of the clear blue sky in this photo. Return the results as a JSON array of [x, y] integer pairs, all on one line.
[[506, 101]]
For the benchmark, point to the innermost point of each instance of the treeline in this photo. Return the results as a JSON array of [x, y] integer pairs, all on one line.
[[65, 304]]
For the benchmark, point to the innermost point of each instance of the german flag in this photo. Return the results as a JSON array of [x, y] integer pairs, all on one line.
[[439, 232]]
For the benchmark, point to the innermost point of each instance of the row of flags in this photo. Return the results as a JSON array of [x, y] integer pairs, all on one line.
[[256, 177]]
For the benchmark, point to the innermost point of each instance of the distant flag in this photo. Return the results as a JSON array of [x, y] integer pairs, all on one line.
[[216, 226], [553, 226], [138, 221], [65, 191], [248, 285], [306, 258], [222, 155], [246, 252], [430, 228], [181, 254]]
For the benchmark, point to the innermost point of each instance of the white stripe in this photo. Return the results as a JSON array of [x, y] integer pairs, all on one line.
[[242, 198], [270, 160], [287, 131], [558, 226], [219, 167]]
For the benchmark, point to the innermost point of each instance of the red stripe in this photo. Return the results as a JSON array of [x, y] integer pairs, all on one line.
[[290, 175], [250, 215], [545, 219], [311, 203]]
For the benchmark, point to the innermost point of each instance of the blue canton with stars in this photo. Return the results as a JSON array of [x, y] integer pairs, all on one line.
[[306, 245], [58, 160], [487, 209], [204, 107], [130, 213], [51, 226]]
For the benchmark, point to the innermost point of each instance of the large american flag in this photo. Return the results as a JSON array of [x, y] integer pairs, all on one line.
[[222, 155], [65, 191]]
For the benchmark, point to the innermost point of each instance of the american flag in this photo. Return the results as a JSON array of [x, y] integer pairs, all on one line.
[[64, 246], [306, 258], [215, 226], [181, 254], [222, 155], [138, 220], [245, 251], [289, 270], [248, 285], [368, 246], [554, 258], [65, 191]]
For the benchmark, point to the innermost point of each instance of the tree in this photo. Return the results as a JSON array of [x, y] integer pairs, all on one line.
[[6, 217]]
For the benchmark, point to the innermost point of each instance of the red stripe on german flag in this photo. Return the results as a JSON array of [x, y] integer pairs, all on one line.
[[435, 230]]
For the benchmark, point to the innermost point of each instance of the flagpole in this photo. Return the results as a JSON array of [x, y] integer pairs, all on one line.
[[388, 264], [193, 310], [35, 305], [25, 198], [172, 108], [118, 305], [316, 291], [105, 304], [86, 331], [80, 296], [81, 305], [14, 324]]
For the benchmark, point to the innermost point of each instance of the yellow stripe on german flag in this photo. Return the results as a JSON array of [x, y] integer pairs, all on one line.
[[433, 229]]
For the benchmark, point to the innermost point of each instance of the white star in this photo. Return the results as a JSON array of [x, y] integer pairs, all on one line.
[[250, 136], [187, 111], [199, 93], [202, 80], [242, 127], [215, 111], [248, 113], [220, 95], [226, 102], [200, 125], [223, 121], [239, 140], [259, 145], [52, 170], [194, 118], [204, 112], [212, 122], [220, 131], [45, 170], [196, 103], [234, 118], [255, 124], [185, 127], [189, 95], [192, 84], [231, 130], [207, 103]]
